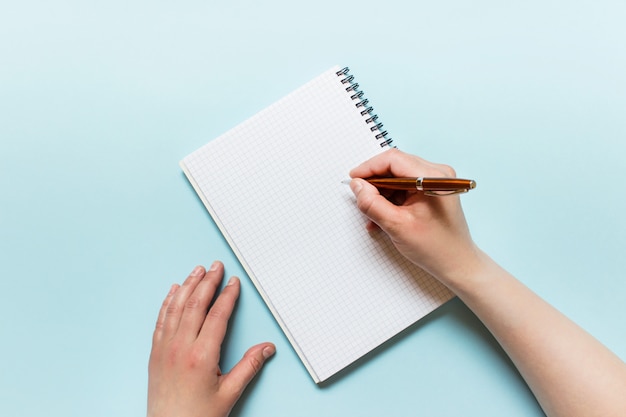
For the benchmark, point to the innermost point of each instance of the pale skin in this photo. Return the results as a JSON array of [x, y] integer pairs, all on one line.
[[570, 372], [185, 379]]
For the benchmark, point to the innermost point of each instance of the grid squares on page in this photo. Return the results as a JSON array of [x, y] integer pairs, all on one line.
[[337, 291]]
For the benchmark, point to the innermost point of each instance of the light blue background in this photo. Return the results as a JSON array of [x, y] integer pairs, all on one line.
[[100, 100]]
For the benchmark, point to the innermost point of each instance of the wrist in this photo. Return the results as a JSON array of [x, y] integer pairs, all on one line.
[[470, 273]]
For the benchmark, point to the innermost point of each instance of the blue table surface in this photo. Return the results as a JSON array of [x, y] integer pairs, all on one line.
[[100, 100]]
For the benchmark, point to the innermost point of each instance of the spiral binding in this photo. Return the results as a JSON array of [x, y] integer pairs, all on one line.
[[363, 105]]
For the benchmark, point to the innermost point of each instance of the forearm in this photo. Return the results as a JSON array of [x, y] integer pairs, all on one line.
[[569, 371]]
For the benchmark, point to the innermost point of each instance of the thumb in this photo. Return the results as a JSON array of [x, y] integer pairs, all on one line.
[[369, 201], [244, 371]]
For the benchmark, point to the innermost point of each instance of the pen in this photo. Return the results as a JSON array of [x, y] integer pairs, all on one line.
[[430, 186]]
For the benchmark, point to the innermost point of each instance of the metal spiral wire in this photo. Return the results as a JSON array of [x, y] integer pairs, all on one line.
[[362, 104]]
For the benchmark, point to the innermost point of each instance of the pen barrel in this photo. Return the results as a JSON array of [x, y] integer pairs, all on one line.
[[423, 184], [444, 184], [394, 183]]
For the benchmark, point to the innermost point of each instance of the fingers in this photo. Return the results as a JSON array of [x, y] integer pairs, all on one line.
[[185, 306], [391, 162], [158, 331], [244, 371], [176, 306], [197, 303], [216, 321], [376, 207], [184, 310], [399, 164]]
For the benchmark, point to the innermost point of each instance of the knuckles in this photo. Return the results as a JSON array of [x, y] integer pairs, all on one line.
[[197, 358], [447, 170], [255, 363], [193, 302], [172, 309], [173, 353], [178, 354], [217, 313]]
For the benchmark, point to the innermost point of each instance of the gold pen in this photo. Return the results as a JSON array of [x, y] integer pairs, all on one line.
[[430, 186]]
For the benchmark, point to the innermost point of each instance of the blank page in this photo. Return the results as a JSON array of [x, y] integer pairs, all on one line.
[[273, 186]]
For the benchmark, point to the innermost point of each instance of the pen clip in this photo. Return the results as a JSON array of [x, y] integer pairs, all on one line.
[[445, 193], [441, 187]]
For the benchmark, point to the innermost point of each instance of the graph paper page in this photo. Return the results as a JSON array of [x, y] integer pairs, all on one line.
[[273, 186]]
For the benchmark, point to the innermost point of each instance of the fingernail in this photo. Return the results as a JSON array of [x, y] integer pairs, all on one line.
[[173, 289], [231, 281], [214, 266], [197, 271], [268, 351], [356, 186]]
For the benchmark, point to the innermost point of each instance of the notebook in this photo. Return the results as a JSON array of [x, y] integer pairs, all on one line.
[[273, 185]]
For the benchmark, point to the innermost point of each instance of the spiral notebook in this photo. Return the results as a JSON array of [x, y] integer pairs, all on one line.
[[273, 185]]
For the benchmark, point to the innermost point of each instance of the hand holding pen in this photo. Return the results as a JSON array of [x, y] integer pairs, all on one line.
[[430, 232], [433, 233]]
